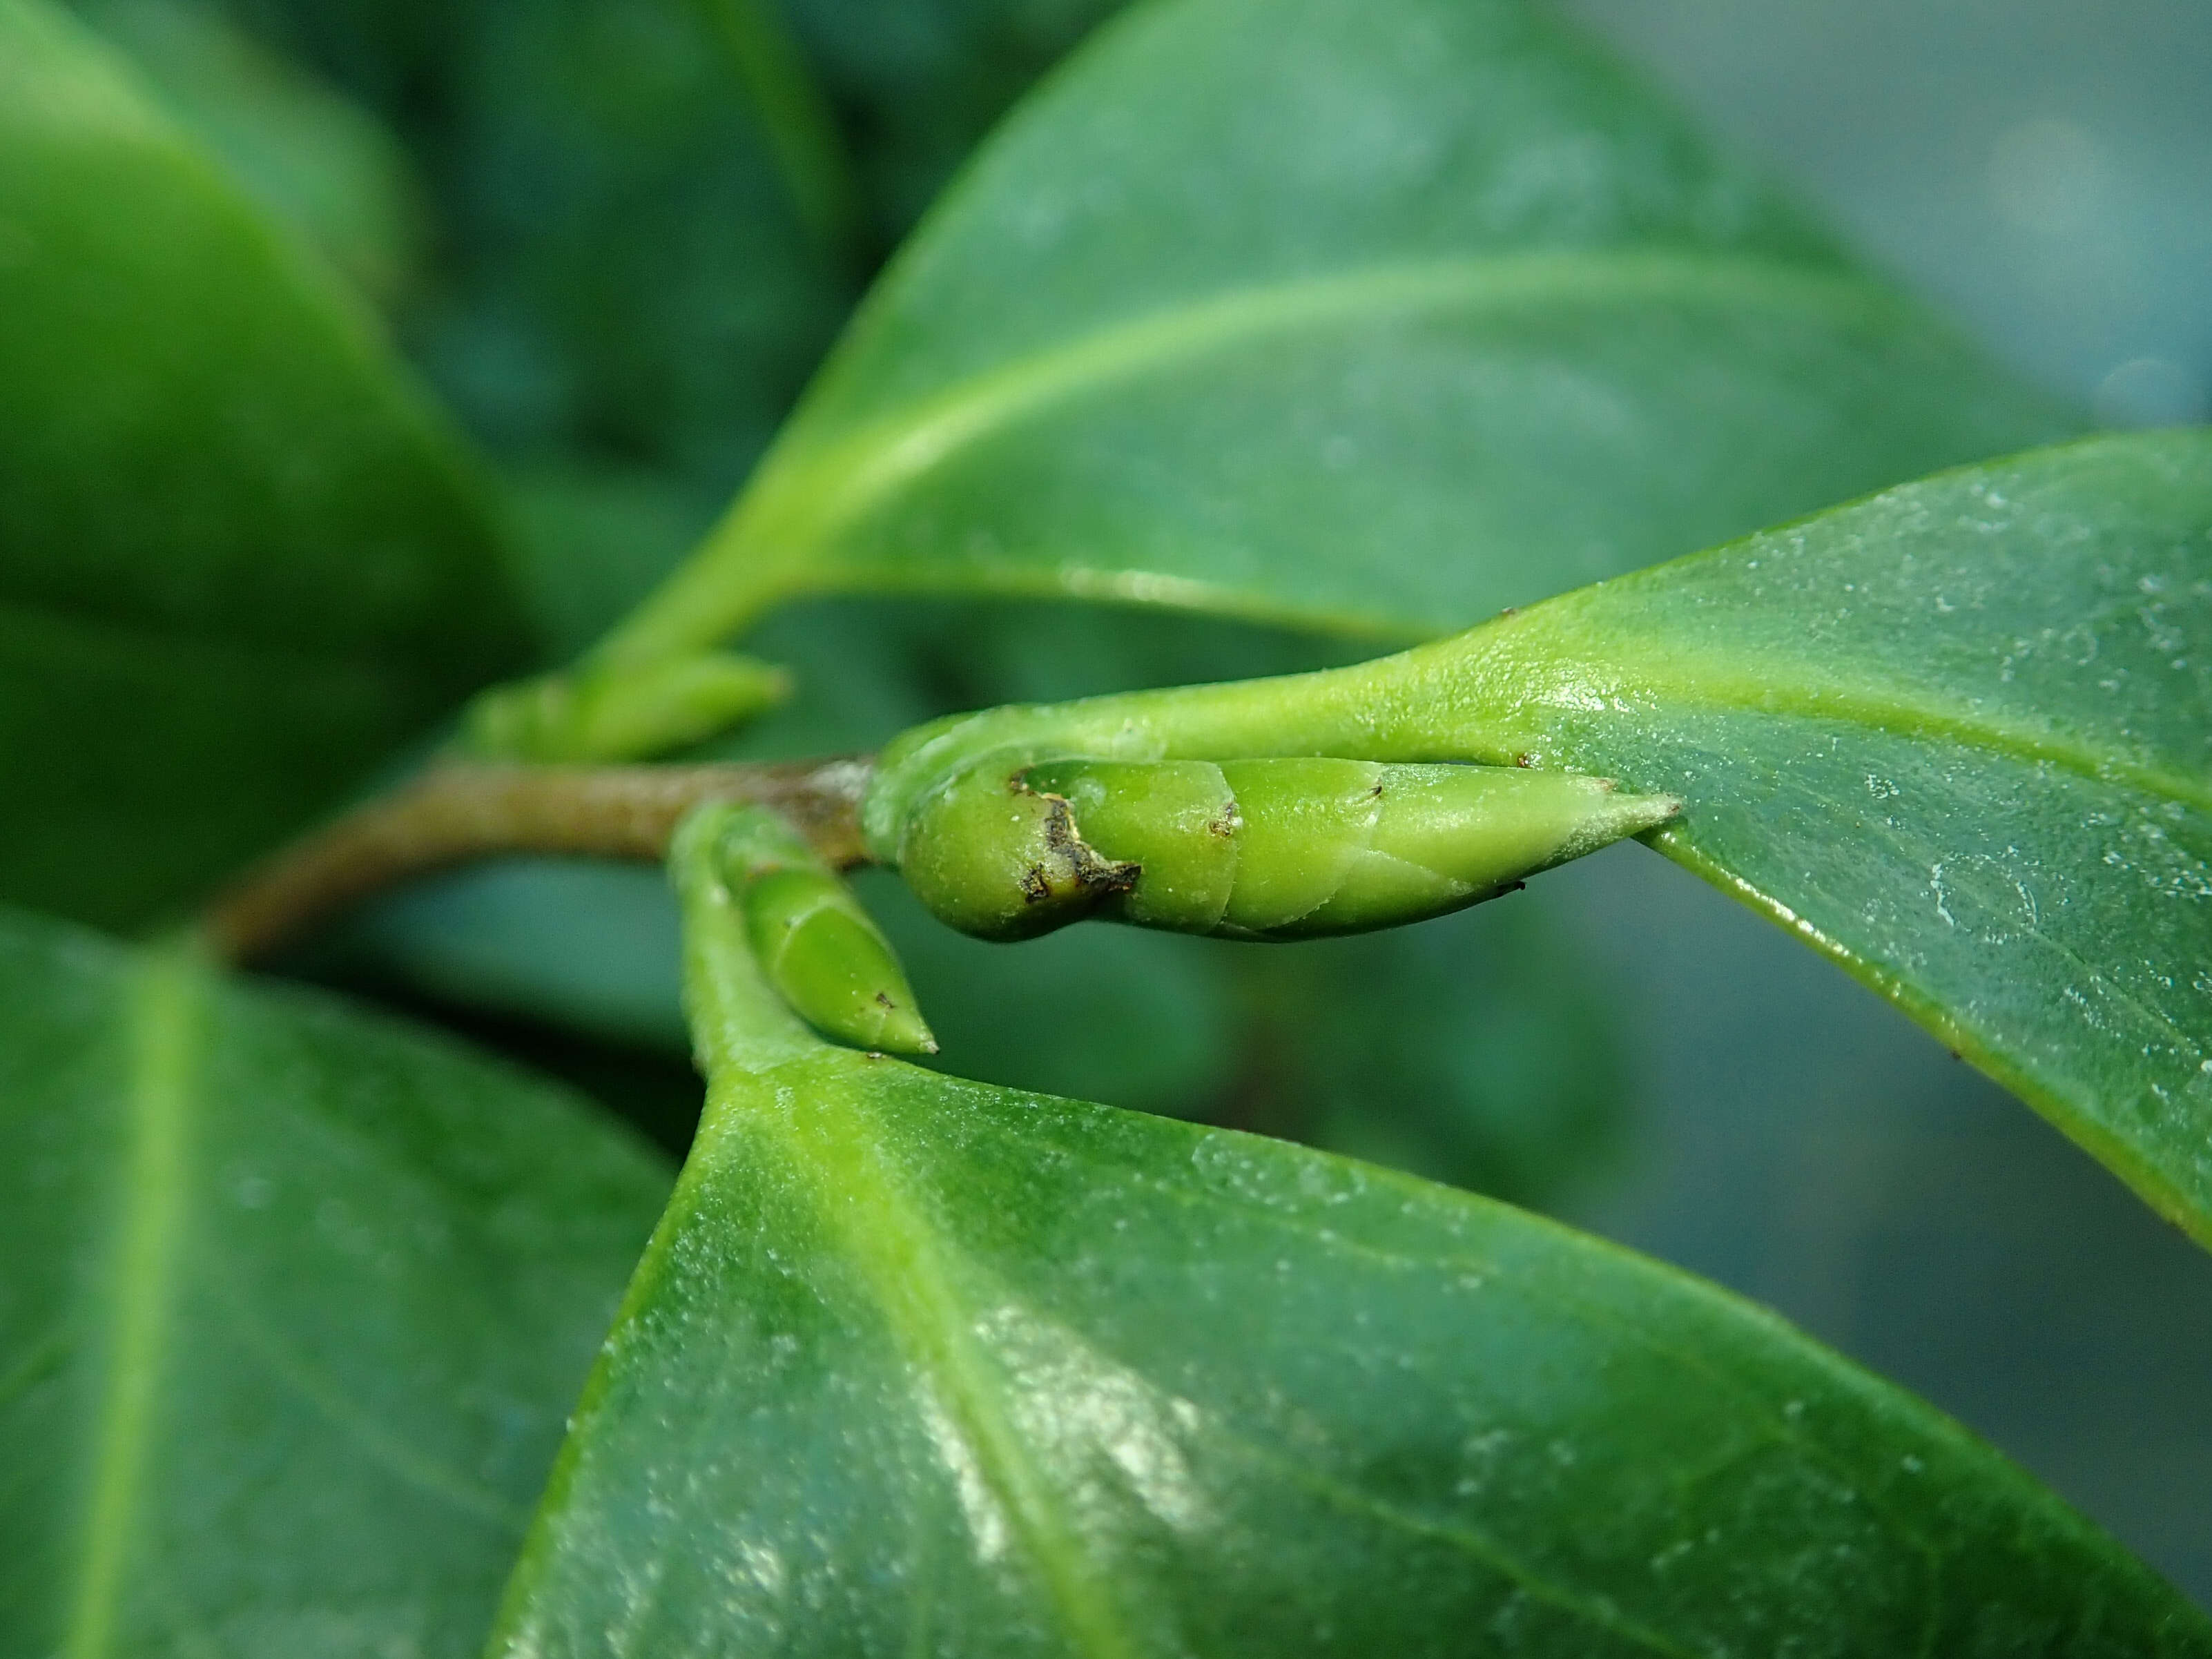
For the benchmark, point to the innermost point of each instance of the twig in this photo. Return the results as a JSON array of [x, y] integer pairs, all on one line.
[[456, 813]]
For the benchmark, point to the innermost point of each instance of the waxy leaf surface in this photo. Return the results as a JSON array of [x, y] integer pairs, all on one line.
[[1959, 738], [239, 562], [294, 1304], [1365, 316], [921, 1366]]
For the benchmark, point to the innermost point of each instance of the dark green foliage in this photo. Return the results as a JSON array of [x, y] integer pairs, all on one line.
[[1375, 319], [240, 561], [1366, 316], [1954, 736], [295, 1304], [990, 1374]]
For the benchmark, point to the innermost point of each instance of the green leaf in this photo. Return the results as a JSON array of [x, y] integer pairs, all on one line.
[[294, 1300], [1960, 738], [918, 1365], [240, 561], [1957, 736], [1370, 316], [794, 116]]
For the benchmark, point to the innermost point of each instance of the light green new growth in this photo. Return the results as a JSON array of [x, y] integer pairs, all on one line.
[[1283, 848], [814, 944], [622, 712]]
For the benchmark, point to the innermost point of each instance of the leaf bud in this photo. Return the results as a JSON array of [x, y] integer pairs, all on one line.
[[1256, 849], [995, 858], [815, 944]]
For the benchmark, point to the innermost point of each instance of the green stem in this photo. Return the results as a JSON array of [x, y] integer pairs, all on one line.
[[453, 814]]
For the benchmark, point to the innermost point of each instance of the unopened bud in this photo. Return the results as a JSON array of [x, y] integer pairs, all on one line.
[[814, 943], [1260, 849], [995, 858]]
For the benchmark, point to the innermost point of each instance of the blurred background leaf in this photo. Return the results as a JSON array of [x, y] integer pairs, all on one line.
[[296, 1304], [244, 559], [309, 157], [652, 214]]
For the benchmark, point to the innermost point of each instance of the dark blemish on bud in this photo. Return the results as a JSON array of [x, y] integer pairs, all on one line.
[[1102, 878], [1059, 825], [1066, 842]]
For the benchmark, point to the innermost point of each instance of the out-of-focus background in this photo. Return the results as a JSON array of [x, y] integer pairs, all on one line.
[[617, 276]]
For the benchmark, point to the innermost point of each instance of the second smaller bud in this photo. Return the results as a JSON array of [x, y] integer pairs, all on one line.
[[814, 943]]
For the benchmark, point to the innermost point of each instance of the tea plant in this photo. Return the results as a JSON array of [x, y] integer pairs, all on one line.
[[1414, 323]]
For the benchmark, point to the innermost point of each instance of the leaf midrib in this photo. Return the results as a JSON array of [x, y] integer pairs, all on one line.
[[901, 1253], [1695, 681], [904, 1261], [827, 474], [163, 1014]]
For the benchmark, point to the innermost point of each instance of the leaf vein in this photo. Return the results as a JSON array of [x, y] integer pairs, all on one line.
[[162, 1019]]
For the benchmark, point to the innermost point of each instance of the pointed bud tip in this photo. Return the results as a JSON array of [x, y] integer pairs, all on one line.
[[903, 1032], [1633, 815]]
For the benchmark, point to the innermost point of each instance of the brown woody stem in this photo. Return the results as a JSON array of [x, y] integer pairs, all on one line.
[[455, 813]]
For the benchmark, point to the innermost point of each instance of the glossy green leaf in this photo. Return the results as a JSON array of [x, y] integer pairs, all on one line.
[[1373, 317], [239, 562], [294, 1301], [920, 1366], [1958, 736]]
